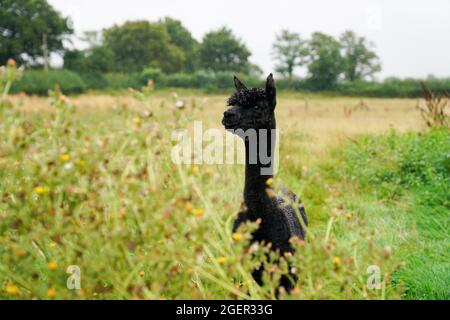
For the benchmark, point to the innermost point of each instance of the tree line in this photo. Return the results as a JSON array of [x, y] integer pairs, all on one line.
[[28, 27]]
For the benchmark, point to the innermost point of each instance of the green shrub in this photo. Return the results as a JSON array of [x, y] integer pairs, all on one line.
[[203, 79], [294, 84], [154, 74], [224, 80], [40, 81], [401, 88], [207, 80], [94, 80], [178, 80], [123, 80]]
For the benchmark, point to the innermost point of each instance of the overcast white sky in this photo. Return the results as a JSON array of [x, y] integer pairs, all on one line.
[[412, 37]]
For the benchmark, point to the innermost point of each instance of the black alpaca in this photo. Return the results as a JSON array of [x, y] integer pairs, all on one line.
[[254, 109]]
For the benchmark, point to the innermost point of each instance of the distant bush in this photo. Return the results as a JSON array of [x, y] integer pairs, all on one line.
[[94, 80], [39, 82], [198, 80], [154, 74], [178, 80], [294, 84], [206, 80], [123, 80], [401, 88]]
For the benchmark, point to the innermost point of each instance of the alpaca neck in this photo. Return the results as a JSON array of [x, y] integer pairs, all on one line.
[[258, 169]]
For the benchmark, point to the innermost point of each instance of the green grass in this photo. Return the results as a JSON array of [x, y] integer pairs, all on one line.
[[410, 175]]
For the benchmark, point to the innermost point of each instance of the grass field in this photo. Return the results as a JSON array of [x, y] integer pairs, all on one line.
[[88, 181]]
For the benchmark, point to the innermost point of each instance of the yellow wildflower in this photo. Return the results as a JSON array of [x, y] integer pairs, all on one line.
[[195, 169], [65, 157], [337, 261], [237, 236], [51, 293], [141, 274], [11, 289], [52, 245], [222, 260], [198, 212], [269, 181], [41, 190], [137, 120], [52, 265], [80, 162]]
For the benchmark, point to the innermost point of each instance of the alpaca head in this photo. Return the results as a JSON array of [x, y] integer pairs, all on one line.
[[251, 108]]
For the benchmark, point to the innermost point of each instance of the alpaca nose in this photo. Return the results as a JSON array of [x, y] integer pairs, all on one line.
[[229, 114]]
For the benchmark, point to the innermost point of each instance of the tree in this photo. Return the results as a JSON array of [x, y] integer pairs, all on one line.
[[75, 60], [222, 51], [359, 60], [25, 24], [183, 39], [290, 51], [98, 59], [325, 61], [140, 44]]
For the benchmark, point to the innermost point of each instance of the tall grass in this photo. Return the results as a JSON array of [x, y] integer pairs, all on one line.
[[97, 189]]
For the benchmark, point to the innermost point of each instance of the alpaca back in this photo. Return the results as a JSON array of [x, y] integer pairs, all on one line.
[[279, 222]]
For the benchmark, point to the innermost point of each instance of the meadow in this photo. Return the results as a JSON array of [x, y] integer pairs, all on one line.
[[88, 181]]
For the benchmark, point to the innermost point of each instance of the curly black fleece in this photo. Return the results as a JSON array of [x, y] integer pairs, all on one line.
[[247, 97]]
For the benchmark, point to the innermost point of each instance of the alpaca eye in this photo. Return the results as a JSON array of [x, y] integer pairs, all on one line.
[[256, 107]]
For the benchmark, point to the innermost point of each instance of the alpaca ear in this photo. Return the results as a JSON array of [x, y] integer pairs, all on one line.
[[238, 84], [271, 91]]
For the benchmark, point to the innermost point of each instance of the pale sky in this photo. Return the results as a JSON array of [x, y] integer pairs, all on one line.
[[412, 37]]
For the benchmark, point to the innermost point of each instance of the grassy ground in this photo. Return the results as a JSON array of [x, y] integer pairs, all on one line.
[[407, 177], [89, 182]]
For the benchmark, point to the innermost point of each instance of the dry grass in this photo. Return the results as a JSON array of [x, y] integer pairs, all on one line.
[[325, 119]]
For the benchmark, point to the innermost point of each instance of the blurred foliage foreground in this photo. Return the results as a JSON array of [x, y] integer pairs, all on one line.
[[97, 191]]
